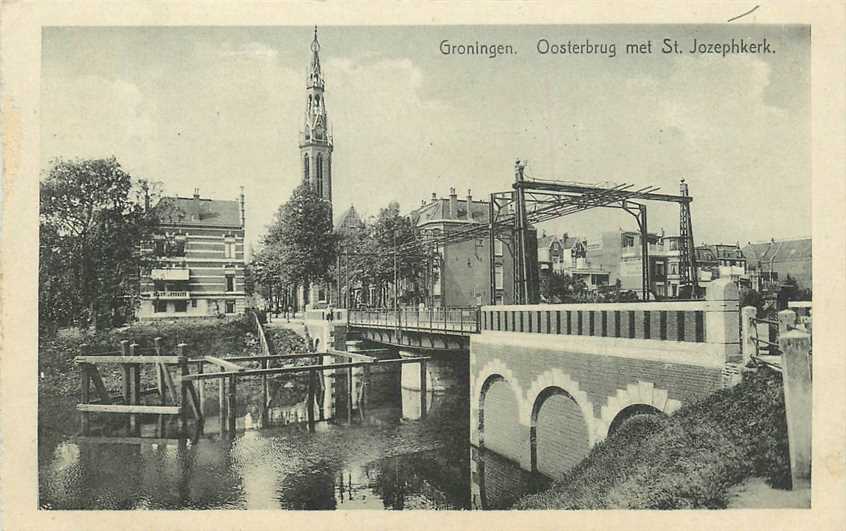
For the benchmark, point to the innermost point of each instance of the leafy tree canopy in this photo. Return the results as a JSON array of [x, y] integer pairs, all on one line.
[[300, 246], [94, 217]]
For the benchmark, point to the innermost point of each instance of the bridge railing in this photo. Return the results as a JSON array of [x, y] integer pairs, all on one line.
[[462, 320]]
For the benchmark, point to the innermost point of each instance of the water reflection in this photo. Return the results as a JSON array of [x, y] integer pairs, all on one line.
[[383, 460], [496, 482]]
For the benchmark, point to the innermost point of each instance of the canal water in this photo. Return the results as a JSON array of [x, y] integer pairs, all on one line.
[[388, 460]]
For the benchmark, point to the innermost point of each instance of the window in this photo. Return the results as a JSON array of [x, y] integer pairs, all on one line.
[[674, 269], [305, 168], [319, 169], [159, 306], [169, 245], [499, 276], [180, 306], [193, 303], [329, 175], [498, 247], [230, 306], [229, 247], [230, 282], [628, 241]]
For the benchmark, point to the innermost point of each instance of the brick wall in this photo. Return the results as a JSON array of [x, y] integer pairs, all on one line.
[[558, 387]]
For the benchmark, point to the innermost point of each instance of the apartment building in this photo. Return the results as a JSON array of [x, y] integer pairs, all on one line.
[[199, 259]]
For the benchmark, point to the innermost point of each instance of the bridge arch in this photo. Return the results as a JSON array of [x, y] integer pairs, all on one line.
[[498, 407], [562, 380], [636, 397], [631, 411], [496, 385], [560, 434]]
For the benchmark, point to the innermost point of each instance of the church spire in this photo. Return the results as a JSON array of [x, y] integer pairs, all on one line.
[[316, 140], [315, 78]]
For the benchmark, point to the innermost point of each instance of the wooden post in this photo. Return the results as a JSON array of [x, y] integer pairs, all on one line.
[[134, 390], [365, 384], [321, 376], [748, 347], [201, 390], [183, 388], [423, 389], [160, 380], [85, 384], [310, 401], [349, 394], [157, 343], [795, 347], [232, 406], [222, 402], [265, 393], [124, 349]]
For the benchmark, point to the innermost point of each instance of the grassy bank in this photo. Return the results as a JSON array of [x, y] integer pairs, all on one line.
[[688, 460], [58, 388]]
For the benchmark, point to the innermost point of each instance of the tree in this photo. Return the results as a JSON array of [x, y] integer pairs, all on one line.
[[390, 231], [300, 247], [94, 219]]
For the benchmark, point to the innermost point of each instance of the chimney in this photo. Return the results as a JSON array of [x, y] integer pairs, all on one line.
[[469, 206], [434, 197], [453, 204]]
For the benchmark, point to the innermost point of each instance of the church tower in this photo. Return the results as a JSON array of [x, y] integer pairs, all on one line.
[[315, 138]]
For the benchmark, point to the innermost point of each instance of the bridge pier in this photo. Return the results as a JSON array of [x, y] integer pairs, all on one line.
[[444, 373]]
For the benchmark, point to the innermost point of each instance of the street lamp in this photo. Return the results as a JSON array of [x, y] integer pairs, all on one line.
[[396, 279]]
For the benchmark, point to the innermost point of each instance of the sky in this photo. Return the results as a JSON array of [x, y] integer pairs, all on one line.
[[217, 108]]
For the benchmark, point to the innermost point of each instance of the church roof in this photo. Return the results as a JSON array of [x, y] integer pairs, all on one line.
[[349, 219], [199, 211]]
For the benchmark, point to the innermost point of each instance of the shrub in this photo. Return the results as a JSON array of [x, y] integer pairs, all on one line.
[[688, 460]]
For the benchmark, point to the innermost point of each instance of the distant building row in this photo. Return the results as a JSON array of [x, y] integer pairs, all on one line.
[[461, 276], [617, 256]]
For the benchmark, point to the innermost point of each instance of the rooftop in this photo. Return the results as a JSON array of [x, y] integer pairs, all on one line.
[[199, 212], [778, 250]]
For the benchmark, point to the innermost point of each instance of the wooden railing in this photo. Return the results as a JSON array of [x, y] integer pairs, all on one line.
[[131, 361], [189, 397], [170, 294], [767, 350]]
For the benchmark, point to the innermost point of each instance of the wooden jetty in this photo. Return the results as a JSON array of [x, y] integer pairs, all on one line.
[[178, 396]]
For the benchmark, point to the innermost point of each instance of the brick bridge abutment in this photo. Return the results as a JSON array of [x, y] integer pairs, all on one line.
[[547, 382]]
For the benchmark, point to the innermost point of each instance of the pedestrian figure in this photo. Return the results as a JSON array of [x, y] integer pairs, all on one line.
[[290, 311]]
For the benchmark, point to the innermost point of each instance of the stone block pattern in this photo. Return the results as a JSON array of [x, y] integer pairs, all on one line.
[[600, 385], [562, 435]]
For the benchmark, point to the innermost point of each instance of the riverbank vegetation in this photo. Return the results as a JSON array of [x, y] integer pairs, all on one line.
[[688, 460]]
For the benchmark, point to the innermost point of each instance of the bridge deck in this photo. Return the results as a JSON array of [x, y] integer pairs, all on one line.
[[461, 321]]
